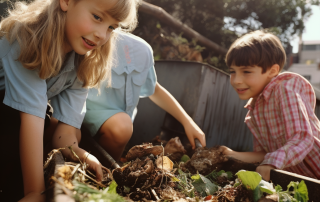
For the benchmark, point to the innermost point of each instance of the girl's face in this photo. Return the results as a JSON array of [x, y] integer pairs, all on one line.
[[88, 24]]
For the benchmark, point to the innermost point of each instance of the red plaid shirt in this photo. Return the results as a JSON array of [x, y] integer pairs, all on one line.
[[284, 125]]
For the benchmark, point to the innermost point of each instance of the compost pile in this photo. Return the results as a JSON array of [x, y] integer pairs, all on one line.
[[157, 173]]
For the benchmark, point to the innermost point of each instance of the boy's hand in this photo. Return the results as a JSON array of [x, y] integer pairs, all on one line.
[[194, 132], [94, 165], [226, 151], [264, 171]]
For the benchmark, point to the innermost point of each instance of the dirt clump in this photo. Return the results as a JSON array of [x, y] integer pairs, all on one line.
[[205, 160], [174, 149], [139, 151]]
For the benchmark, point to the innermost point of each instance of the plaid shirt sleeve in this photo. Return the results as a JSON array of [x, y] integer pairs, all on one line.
[[295, 99], [256, 146]]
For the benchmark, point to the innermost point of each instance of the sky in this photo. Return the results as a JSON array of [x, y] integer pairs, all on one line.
[[312, 29]]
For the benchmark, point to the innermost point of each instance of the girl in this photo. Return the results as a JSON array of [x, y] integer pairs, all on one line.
[[51, 50], [109, 115]]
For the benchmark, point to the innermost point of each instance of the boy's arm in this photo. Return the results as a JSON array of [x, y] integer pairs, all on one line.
[[249, 157], [65, 136], [31, 156], [166, 101]]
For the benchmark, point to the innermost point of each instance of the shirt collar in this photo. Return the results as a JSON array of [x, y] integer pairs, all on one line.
[[269, 88], [69, 63], [250, 104], [266, 93], [128, 54]]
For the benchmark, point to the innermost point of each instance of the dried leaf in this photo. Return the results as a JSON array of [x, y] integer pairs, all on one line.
[[167, 163]]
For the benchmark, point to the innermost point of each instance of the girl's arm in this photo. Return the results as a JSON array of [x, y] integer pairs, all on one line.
[[31, 156], [65, 136], [166, 101]]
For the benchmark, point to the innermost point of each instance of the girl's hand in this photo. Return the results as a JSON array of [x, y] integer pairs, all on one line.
[[94, 165], [264, 171], [194, 132]]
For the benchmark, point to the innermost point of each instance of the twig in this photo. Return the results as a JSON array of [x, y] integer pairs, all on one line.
[[98, 183], [162, 166], [75, 169], [69, 163], [70, 147], [108, 171], [155, 194]]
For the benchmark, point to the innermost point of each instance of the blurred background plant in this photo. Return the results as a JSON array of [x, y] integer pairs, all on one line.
[[221, 21]]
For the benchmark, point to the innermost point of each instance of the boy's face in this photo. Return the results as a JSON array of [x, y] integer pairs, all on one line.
[[248, 81]]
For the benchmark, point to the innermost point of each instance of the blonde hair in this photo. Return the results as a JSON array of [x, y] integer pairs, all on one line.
[[39, 29]]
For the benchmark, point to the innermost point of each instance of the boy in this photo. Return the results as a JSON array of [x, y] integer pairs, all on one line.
[[281, 107]]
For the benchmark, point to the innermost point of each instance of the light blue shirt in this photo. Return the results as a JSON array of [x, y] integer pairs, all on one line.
[[132, 77], [28, 93]]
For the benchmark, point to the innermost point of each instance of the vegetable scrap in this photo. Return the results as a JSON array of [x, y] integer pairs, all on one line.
[[157, 173]]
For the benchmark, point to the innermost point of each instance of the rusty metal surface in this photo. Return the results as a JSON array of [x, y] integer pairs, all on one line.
[[206, 95]]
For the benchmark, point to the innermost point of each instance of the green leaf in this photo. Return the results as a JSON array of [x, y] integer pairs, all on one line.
[[203, 185], [85, 193], [286, 197], [300, 191], [263, 186], [266, 187], [185, 158], [126, 189], [213, 175], [278, 188], [113, 187], [236, 184], [249, 179], [257, 193]]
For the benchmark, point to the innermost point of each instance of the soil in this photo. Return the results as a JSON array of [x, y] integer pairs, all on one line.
[[141, 178]]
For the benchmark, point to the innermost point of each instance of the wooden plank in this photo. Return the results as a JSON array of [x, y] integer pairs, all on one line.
[[54, 191]]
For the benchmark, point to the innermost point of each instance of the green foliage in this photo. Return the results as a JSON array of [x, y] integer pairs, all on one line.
[[252, 181], [184, 183], [299, 193], [185, 158], [203, 185], [112, 189], [223, 21], [87, 194], [213, 175], [249, 179]]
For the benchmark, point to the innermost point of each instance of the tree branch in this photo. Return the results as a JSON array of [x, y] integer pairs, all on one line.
[[166, 18]]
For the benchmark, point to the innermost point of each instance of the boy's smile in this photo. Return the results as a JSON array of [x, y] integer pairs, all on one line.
[[248, 81]]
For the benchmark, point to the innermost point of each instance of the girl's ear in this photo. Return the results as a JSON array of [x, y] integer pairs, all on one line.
[[64, 4], [274, 70]]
